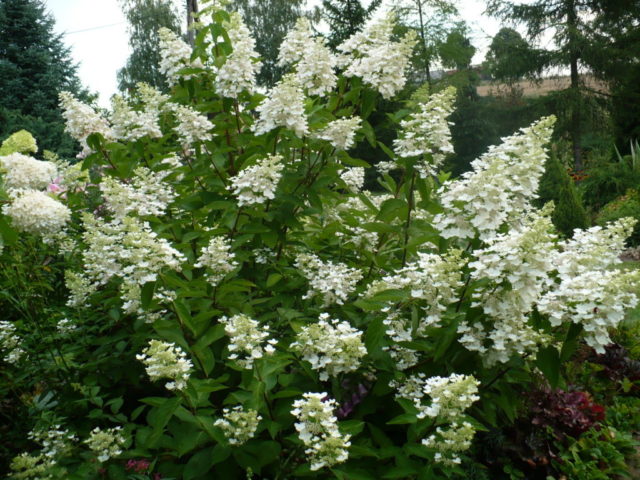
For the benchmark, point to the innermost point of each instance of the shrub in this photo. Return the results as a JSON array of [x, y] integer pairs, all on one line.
[[223, 299], [627, 205], [557, 186]]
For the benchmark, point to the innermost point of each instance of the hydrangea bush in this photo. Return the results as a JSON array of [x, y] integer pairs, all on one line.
[[237, 306]]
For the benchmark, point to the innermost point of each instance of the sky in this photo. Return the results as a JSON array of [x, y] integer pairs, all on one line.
[[96, 32]]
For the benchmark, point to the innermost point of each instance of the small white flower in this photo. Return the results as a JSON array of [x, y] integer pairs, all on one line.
[[283, 107], [218, 259], [166, 360], [317, 428], [238, 425], [248, 340], [106, 444], [330, 346], [257, 183]]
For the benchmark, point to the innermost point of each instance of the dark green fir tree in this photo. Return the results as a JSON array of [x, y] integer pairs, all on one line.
[[556, 185], [35, 66], [345, 17]]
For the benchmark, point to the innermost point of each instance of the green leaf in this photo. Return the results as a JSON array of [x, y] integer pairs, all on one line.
[[402, 419], [273, 279], [570, 342], [159, 417], [146, 294], [548, 361], [199, 464], [391, 209], [9, 235], [213, 334]]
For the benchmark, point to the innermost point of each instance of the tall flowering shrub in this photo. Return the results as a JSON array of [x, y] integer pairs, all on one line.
[[237, 306]]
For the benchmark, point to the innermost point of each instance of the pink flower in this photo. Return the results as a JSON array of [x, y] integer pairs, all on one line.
[[138, 466]]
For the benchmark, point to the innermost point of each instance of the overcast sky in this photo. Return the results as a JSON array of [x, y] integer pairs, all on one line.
[[96, 31]]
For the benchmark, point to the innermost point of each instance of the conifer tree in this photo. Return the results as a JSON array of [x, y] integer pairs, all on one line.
[[556, 185], [345, 17], [35, 66]]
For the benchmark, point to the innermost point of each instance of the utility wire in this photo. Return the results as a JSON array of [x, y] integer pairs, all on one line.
[[94, 28]]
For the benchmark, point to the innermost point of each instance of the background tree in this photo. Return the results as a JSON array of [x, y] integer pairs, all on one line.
[[145, 17], [457, 51], [433, 20], [510, 57], [345, 17], [616, 38], [35, 66], [269, 22], [570, 22]]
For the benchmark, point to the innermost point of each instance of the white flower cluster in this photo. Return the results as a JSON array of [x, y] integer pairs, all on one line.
[[449, 442], [450, 397], [32, 211], [192, 125], [175, 55], [124, 248], [82, 121], [218, 259], [238, 425], [238, 73], [500, 187], [333, 281], [353, 178], [247, 340], [427, 133], [432, 278], [257, 183], [314, 62], [517, 265], [166, 360], [341, 132], [330, 346], [56, 442], [589, 291], [10, 342], [129, 124], [66, 326], [24, 172], [30, 466], [283, 107], [373, 56], [317, 428], [145, 194], [152, 98], [594, 249], [106, 443]]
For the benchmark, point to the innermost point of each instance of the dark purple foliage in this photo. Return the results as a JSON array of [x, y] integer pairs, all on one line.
[[567, 413]]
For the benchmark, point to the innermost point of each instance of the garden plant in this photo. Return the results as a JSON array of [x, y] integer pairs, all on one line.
[[208, 292]]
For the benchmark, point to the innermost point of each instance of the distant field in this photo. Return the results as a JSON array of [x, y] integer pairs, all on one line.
[[534, 89]]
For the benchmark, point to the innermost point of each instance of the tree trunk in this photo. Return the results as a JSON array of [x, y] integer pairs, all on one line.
[[192, 9], [576, 100], [427, 66]]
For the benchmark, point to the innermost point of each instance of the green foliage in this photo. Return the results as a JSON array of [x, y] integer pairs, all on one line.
[[627, 205], [145, 17], [433, 20], [557, 186], [35, 66], [457, 51], [510, 57], [597, 455], [21, 142], [93, 376], [607, 180], [345, 17]]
